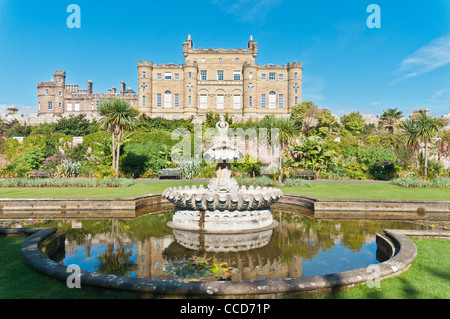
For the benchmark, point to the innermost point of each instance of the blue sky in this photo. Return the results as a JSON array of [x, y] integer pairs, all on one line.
[[347, 66]]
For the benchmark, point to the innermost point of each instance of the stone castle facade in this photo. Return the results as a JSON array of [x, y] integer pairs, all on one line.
[[222, 80]]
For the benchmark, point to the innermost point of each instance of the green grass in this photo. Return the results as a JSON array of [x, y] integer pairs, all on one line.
[[19, 281], [318, 190], [427, 278]]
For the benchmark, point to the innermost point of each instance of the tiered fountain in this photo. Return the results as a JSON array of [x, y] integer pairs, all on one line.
[[223, 206]]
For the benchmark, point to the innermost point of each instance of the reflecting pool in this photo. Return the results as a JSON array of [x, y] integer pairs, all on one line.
[[145, 247]]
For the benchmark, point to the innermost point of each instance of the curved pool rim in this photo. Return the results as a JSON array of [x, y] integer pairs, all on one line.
[[399, 249]]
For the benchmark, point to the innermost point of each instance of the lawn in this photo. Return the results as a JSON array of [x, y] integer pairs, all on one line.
[[318, 190], [427, 278]]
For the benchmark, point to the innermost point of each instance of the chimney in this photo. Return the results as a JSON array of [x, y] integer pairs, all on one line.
[[113, 90], [89, 87], [122, 88]]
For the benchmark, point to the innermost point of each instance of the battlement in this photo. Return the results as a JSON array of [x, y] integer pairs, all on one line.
[[188, 48], [295, 65]]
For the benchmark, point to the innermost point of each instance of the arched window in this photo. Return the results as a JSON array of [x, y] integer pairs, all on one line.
[[272, 100], [168, 99]]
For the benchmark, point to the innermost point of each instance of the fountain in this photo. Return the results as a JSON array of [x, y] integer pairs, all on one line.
[[223, 206]]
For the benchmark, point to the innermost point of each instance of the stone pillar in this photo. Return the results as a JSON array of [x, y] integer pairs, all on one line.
[[190, 68], [145, 89], [294, 84]]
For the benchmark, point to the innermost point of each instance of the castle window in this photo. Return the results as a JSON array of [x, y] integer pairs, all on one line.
[[237, 60], [77, 107], [250, 75], [60, 80], [295, 75], [60, 93], [220, 60], [295, 100], [263, 101], [177, 76], [280, 101], [158, 100], [190, 101], [167, 99], [143, 100], [177, 100], [46, 92], [250, 101], [143, 74], [220, 101], [237, 75], [50, 106], [272, 100], [203, 101], [203, 75], [60, 105], [69, 107], [236, 102], [158, 76], [220, 75], [190, 75], [263, 77], [167, 76], [280, 77], [272, 76]]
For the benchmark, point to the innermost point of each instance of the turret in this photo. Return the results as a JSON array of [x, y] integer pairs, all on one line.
[[190, 77], [294, 84], [145, 75]]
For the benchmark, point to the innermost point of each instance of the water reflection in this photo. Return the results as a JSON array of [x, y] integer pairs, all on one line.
[[146, 248]]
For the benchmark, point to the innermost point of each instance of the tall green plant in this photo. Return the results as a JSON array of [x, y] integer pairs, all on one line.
[[117, 115]]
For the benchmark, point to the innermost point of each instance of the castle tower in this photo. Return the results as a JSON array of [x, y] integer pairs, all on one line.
[[145, 71], [190, 77], [250, 72], [60, 83], [294, 84]]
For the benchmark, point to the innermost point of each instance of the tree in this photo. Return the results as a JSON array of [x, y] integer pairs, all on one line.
[[353, 123], [117, 115], [422, 129], [390, 117], [426, 127], [285, 130]]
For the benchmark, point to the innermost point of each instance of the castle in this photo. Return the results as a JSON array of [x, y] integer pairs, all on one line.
[[223, 80]]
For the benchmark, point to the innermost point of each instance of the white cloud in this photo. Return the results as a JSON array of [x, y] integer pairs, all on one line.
[[248, 10], [430, 57], [441, 93]]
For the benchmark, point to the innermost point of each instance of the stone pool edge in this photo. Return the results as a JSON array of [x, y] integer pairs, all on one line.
[[394, 242]]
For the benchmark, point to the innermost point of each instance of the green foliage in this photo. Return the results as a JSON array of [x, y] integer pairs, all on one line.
[[353, 123], [417, 182], [67, 168], [138, 158], [76, 126], [249, 165], [66, 182], [146, 123], [191, 169]]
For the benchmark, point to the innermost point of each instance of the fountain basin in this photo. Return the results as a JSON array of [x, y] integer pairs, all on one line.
[[222, 221], [202, 199]]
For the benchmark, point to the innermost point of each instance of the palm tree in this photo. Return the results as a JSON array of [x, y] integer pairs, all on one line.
[[426, 128], [117, 115], [390, 117], [421, 130], [285, 130], [409, 130]]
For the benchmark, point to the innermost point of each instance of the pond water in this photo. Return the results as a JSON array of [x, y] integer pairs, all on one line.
[[145, 247]]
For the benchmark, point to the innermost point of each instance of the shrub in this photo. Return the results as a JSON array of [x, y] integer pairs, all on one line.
[[417, 182], [72, 182], [67, 168], [296, 182], [190, 169]]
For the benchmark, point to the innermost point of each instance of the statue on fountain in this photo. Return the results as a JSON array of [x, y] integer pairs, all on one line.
[[223, 152]]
